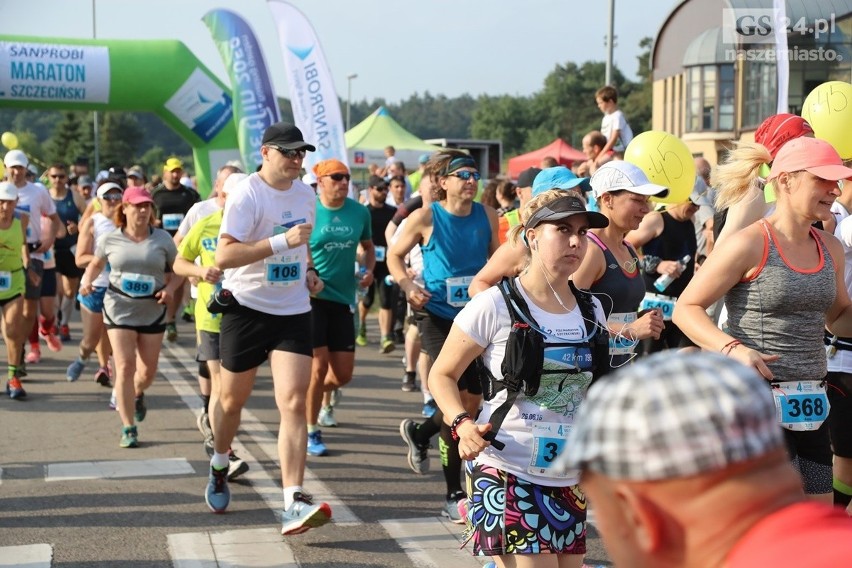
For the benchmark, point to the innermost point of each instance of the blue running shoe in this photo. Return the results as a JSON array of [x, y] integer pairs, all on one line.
[[303, 515], [14, 388], [129, 437], [430, 408], [315, 445], [75, 369], [217, 495]]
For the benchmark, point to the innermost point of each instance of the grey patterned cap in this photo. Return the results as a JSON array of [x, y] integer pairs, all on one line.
[[674, 415]]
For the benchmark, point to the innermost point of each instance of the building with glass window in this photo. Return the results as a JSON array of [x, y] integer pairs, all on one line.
[[715, 76]]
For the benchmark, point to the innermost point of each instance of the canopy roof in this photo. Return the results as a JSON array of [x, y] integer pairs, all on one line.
[[367, 140], [563, 152]]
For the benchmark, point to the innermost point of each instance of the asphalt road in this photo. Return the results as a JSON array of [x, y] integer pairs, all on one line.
[[69, 496]]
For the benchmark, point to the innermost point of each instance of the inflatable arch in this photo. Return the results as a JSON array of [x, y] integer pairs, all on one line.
[[160, 76]]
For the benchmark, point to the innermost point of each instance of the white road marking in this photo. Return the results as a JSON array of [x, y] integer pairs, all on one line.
[[117, 469], [29, 556], [432, 543], [251, 547], [266, 486]]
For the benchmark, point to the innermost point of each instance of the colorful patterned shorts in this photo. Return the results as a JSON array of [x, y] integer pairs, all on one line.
[[509, 515]]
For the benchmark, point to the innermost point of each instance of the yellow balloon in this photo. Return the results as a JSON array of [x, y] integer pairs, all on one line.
[[9, 140], [828, 109], [2, 170], [666, 160]]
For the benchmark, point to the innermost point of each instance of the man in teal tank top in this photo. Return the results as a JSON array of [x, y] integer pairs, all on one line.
[[457, 235]]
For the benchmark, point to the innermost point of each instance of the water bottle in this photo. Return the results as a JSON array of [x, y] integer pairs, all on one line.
[[362, 291], [663, 281]]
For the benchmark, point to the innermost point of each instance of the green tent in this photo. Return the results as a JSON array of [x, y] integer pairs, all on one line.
[[366, 142]]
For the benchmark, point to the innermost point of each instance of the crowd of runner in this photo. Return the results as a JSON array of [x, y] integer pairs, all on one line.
[[511, 300]]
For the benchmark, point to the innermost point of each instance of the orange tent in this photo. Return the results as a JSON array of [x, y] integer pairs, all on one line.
[[564, 153]]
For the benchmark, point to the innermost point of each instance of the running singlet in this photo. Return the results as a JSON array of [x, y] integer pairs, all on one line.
[[11, 263], [201, 242], [456, 251], [535, 428], [101, 225], [780, 310], [620, 291], [255, 211], [173, 205], [67, 211], [676, 241], [334, 243]]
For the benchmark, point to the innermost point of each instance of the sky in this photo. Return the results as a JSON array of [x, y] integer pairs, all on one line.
[[397, 48]]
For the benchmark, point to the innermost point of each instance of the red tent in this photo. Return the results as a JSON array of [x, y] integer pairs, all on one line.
[[559, 149]]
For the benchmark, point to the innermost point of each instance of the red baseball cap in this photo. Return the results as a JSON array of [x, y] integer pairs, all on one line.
[[136, 195], [815, 156]]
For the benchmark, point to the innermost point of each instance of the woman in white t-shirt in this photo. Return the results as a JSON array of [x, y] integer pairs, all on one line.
[[520, 489]]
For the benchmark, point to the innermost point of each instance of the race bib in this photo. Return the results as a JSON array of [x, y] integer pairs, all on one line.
[[665, 304], [457, 295], [137, 285], [801, 405], [283, 270], [618, 344], [171, 221], [5, 281], [381, 253], [549, 442], [569, 357]]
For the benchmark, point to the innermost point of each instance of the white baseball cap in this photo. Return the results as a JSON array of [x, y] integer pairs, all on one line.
[[618, 175], [15, 158], [8, 191], [699, 195], [105, 188], [231, 182]]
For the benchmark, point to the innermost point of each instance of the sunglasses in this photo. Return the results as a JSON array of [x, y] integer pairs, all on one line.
[[292, 154], [112, 197], [466, 175], [381, 188], [60, 176], [340, 177]]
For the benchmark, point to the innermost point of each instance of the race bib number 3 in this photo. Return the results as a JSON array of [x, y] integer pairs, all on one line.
[[665, 304], [548, 444], [801, 405], [5, 281], [457, 295], [137, 285]]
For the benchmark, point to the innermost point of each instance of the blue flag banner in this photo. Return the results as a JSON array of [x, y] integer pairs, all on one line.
[[255, 104]]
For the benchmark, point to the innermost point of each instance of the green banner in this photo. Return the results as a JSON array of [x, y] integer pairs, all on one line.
[[161, 76]]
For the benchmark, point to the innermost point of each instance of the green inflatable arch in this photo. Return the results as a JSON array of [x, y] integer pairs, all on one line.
[[160, 76]]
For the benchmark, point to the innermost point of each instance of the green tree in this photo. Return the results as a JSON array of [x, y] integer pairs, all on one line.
[[505, 118], [72, 137], [119, 140]]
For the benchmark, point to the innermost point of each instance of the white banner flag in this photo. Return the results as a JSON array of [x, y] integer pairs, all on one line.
[[782, 60], [316, 108]]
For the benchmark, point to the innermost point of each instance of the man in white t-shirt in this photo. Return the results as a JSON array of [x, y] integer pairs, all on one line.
[[270, 275], [35, 200]]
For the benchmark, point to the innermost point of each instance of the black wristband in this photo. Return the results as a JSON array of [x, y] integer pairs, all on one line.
[[457, 422], [315, 271]]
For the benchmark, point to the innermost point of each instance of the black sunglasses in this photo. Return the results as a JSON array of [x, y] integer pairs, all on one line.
[[339, 177], [292, 154], [381, 188], [465, 175]]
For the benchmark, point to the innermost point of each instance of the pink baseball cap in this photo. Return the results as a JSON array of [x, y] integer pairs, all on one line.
[[136, 195], [813, 155]]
